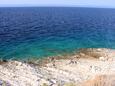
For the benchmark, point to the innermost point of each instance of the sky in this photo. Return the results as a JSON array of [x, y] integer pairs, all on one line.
[[69, 3]]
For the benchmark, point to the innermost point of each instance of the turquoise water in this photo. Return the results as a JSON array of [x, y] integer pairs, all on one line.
[[48, 31]]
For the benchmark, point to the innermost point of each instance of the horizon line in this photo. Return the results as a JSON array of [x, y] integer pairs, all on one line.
[[57, 6]]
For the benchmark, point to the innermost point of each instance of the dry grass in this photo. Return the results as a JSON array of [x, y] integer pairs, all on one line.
[[103, 80], [70, 84]]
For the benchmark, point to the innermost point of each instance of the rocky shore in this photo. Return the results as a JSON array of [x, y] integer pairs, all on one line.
[[85, 68]]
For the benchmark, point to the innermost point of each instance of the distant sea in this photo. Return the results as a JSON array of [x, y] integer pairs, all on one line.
[[37, 32]]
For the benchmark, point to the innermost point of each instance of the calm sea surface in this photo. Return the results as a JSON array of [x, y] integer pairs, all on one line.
[[46, 31]]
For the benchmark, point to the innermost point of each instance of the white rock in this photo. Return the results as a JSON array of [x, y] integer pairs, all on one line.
[[102, 58]]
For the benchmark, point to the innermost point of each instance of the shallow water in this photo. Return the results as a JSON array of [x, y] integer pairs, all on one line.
[[46, 31]]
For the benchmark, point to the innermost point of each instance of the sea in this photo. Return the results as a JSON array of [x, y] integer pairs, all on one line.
[[37, 32]]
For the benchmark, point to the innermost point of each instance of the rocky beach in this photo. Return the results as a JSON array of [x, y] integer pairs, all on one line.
[[88, 67]]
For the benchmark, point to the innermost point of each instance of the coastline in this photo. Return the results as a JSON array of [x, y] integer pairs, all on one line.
[[60, 70]]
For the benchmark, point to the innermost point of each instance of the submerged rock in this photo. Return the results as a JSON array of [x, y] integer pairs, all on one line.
[[97, 53]]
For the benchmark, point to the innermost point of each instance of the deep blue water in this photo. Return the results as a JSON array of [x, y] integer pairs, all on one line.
[[46, 31]]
